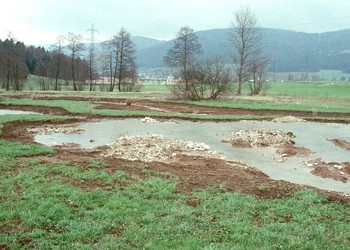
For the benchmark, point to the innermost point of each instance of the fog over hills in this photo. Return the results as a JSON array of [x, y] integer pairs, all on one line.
[[288, 50]]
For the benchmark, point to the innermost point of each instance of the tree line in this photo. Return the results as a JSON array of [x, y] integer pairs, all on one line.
[[17, 61], [64, 64]]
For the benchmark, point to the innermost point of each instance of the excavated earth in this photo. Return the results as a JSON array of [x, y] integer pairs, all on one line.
[[193, 164]]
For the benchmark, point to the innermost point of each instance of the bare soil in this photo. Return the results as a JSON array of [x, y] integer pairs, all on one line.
[[193, 172], [341, 143], [334, 170]]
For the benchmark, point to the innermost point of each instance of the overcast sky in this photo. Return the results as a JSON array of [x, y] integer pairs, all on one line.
[[42, 21]]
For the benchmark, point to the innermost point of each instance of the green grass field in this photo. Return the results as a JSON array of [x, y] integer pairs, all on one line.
[[329, 90]]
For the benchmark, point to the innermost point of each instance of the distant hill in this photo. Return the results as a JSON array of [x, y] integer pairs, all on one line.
[[145, 42], [288, 50]]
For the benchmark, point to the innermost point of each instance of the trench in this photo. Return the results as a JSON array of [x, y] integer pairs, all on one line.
[[312, 136]]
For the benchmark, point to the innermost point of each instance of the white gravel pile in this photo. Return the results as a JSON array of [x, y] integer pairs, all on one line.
[[49, 130], [258, 137], [148, 120], [155, 148], [289, 119]]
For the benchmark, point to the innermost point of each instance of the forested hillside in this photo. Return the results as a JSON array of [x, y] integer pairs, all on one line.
[[289, 51]]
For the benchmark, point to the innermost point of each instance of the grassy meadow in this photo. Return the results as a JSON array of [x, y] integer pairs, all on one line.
[[46, 205]]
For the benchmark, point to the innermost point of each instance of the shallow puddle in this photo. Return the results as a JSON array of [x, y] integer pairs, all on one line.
[[16, 112], [312, 136]]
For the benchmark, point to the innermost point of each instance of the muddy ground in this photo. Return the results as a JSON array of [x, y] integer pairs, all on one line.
[[193, 172]]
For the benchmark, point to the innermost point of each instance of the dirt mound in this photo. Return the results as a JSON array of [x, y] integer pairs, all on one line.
[[156, 148], [287, 150], [333, 170], [258, 137]]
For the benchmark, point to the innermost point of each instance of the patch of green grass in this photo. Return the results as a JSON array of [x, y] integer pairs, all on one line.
[[15, 149], [96, 164], [318, 90], [41, 207]]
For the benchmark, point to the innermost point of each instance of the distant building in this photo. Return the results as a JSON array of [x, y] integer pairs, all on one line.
[[170, 79]]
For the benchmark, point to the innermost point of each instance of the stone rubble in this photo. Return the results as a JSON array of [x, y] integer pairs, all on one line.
[[49, 130], [148, 120], [258, 137], [156, 148], [251, 121], [289, 119]]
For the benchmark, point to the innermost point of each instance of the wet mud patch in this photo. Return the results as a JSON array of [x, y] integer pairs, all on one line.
[[333, 170], [196, 173], [341, 143], [288, 150]]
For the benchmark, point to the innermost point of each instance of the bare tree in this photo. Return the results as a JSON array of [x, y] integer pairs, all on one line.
[[119, 62], [257, 76], [207, 81], [126, 67], [75, 46], [183, 52], [110, 56], [57, 50], [245, 38]]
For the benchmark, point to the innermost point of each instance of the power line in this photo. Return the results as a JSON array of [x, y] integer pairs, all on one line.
[[92, 31]]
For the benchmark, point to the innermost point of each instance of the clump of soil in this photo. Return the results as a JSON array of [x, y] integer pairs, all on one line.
[[288, 150], [288, 119], [340, 143], [291, 150], [333, 170], [259, 137], [156, 148]]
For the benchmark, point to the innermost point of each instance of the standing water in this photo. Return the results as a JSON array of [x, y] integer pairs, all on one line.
[[312, 136]]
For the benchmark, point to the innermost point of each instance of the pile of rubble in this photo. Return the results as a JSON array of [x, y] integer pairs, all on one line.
[[156, 148], [148, 120], [259, 137], [289, 119], [49, 130]]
